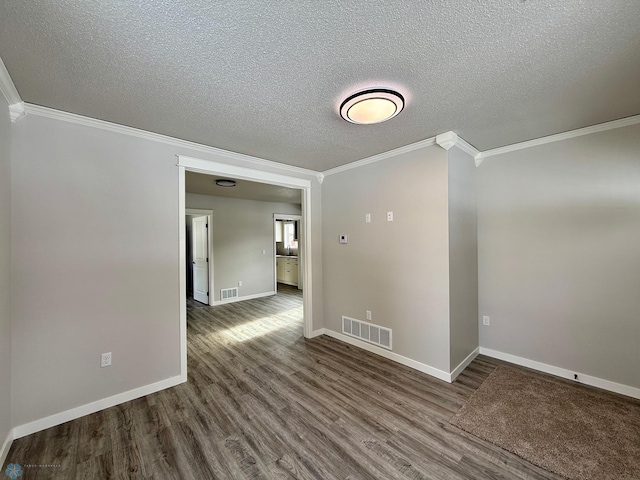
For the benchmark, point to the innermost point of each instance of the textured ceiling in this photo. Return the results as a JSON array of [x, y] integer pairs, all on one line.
[[266, 78], [206, 185]]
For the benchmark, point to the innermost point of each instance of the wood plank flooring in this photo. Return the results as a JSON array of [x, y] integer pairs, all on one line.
[[264, 403]]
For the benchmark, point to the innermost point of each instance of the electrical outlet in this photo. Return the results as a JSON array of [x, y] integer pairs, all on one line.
[[389, 216], [486, 320], [367, 218], [368, 315], [239, 283], [105, 359]]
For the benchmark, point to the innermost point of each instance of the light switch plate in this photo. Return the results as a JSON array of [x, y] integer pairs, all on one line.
[[344, 239]]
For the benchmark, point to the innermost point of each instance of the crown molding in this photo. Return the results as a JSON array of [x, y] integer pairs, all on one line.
[[601, 127], [156, 137], [16, 111], [382, 156], [7, 86], [477, 155], [446, 140], [449, 140]]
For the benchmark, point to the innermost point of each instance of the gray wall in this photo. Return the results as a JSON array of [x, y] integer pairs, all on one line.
[[241, 229], [5, 271], [559, 254], [463, 256], [398, 270], [95, 264]]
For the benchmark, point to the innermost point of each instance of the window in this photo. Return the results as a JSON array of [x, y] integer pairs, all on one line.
[[289, 235]]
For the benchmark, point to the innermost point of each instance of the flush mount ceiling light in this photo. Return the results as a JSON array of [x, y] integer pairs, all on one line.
[[226, 183], [372, 106]]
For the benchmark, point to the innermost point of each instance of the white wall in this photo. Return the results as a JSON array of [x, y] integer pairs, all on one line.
[[559, 254], [5, 273], [240, 230], [398, 270], [95, 264]]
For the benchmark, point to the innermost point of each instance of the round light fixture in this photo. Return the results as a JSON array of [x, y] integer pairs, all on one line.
[[372, 106], [226, 183]]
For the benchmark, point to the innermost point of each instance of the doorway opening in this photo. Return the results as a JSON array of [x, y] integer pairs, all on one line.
[[288, 251], [189, 164], [199, 255]]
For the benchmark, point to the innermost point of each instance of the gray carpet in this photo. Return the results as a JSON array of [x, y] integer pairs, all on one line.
[[568, 429]]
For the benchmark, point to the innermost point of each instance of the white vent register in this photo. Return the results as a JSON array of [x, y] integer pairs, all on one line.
[[227, 293], [368, 332]]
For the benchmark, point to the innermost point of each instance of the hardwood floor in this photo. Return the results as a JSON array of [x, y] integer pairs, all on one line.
[[264, 403]]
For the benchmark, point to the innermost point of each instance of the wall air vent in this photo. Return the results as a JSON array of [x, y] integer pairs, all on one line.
[[227, 293], [368, 332]]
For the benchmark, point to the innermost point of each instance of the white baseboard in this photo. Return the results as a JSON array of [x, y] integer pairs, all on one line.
[[564, 373], [5, 448], [246, 297], [421, 367], [464, 364], [81, 411], [317, 333]]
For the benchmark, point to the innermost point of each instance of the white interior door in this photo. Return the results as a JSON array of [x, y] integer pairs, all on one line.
[[200, 249]]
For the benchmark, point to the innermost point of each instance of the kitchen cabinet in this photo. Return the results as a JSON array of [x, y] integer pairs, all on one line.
[[287, 270], [280, 269]]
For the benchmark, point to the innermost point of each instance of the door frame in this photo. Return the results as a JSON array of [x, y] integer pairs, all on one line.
[[210, 167], [196, 212]]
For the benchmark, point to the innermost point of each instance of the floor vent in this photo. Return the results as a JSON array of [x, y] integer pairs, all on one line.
[[368, 332], [227, 293]]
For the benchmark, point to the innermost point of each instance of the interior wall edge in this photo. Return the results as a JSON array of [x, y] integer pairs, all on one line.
[[464, 363]]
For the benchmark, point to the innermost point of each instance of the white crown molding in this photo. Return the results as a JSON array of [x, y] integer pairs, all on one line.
[[449, 140], [601, 127], [135, 132], [7, 86], [445, 140], [382, 156], [16, 111], [471, 150]]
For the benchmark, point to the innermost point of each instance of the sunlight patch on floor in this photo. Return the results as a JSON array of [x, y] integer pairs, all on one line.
[[261, 326]]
